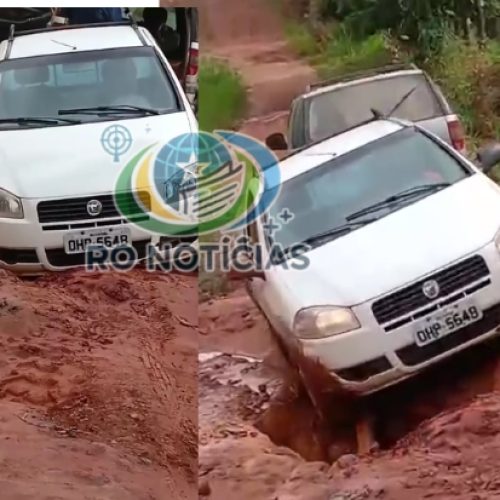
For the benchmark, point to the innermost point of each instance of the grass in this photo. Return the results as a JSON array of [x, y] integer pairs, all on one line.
[[468, 75], [214, 283], [222, 105], [222, 96], [300, 39], [470, 78], [344, 54], [336, 51]]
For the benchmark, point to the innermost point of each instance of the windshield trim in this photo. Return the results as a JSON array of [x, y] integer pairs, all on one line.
[[336, 161], [424, 81], [387, 139], [134, 50]]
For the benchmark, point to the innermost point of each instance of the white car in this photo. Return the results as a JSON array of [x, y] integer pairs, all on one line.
[[403, 250], [66, 94]]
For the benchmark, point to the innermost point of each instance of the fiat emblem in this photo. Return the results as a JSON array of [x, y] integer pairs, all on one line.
[[94, 208], [431, 289]]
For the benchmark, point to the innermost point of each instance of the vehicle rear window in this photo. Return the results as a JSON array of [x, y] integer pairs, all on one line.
[[333, 112]]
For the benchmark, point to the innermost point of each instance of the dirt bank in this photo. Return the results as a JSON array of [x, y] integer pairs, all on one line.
[[97, 387], [249, 36]]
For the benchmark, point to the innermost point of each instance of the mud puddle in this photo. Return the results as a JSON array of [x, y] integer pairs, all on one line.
[[260, 433]]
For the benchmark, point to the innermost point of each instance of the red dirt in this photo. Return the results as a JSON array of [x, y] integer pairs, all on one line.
[[98, 387], [439, 435], [249, 36], [443, 428]]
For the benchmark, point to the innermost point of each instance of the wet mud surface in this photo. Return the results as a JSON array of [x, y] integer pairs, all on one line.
[[437, 434], [98, 387]]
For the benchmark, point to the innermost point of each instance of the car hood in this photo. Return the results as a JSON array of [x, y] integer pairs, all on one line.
[[71, 160], [400, 248]]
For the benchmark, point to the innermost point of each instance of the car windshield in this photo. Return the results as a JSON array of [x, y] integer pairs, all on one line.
[[403, 166], [337, 110], [43, 86]]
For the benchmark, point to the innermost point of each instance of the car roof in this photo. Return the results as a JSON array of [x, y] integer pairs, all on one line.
[[341, 144], [323, 89], [61, 40]]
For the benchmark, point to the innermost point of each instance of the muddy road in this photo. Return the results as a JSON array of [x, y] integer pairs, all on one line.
[[438, 436], [435, 437], [249, 36], [98, 393]]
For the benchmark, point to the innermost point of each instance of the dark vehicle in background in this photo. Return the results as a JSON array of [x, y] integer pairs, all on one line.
[[179, 41], [403, 91], [23, 19]]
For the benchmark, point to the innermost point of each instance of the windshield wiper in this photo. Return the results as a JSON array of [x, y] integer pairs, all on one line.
[[336, 231], [110, 110], [38, 120], [397, 198]]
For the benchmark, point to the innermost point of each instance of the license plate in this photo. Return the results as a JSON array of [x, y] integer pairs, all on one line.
[[110, 237], [446, 321]]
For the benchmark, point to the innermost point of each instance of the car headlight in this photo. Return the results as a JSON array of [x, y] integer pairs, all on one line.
[[324, 321], [11, 206]]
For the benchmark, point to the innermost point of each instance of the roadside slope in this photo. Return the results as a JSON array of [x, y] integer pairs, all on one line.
[[249, 36]]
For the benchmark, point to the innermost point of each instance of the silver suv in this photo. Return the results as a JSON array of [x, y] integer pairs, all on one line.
[[403, 91]]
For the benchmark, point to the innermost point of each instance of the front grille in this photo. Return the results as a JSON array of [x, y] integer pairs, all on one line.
[[13, 256], [414, 355], [412, 297], [57, 257], [136, 219], [421, 313], [70, 209]]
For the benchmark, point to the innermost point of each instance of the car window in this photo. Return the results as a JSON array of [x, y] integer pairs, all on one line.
[[323, 197], [332, 112], [42, 86]]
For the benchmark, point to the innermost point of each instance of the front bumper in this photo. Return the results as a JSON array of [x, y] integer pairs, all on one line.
[[371, 358], [30, 247]]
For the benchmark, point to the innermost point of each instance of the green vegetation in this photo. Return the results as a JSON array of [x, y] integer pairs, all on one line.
[[447, 38], [343, 53], [424, 24], [301, 39], [337, 51], [222, 96]]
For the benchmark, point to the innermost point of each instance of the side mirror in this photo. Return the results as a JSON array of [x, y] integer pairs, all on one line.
[[488, 157], [276, 142]]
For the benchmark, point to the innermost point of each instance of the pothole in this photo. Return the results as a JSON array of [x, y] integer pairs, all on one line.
[[396, 412], [296, 425], [286, 415]]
